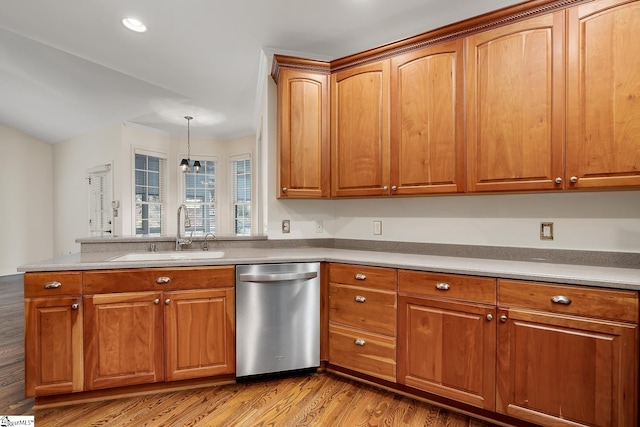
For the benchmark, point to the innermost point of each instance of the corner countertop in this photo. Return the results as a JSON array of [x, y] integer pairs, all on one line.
[[597, 276]]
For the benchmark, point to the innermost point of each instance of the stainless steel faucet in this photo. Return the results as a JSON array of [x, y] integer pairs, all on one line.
[[205, 247], [181, 241]]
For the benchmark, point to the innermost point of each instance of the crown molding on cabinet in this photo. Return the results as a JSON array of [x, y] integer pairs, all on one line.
[[456, 30]]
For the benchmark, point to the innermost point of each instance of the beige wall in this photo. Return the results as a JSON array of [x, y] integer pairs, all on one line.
[[26, 194]]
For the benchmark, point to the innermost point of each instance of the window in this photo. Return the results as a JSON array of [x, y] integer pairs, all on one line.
[[240, 169], [149, 194], [198, 193], [100, 195]]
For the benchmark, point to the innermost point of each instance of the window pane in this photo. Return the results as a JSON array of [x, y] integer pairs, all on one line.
[[198, 193], [141, 161], [148, 194]]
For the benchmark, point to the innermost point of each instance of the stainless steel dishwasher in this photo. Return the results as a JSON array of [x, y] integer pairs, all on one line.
[[277, 318]]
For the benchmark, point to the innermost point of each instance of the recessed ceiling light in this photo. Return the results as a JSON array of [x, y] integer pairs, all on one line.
[[134, 25]]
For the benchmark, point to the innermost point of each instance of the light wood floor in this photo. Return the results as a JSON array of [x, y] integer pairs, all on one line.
[[314, 400]]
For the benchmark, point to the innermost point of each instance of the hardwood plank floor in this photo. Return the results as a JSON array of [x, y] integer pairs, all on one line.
[[313, 400]]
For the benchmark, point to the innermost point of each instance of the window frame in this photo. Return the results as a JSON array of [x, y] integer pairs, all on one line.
[[233, 194], [163, 180], [192, 206]]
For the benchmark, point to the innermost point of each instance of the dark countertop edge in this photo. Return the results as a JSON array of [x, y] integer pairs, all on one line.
[[594, 276]]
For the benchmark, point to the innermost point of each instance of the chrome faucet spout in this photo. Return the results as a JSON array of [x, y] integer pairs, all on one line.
[[180, 241], [205, 247]]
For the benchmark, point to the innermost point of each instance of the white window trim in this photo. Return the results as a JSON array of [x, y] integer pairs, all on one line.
[[147, 152], [231, 220], [181, 183]]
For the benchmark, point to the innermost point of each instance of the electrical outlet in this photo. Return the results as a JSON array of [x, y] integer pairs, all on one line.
[[319, 227], [546, 231], [377, 228], [286, 226]]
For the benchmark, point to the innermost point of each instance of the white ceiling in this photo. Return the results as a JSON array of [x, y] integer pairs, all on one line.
[[70, 67]]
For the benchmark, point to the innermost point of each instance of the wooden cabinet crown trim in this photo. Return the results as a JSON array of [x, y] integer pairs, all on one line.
[[456, 30]]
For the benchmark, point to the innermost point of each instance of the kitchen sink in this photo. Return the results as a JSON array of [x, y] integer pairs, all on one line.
[[167, 256]]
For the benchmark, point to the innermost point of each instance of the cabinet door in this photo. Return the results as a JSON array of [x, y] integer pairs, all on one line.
[[515, 106], [360, 131], [303, 109], [53, 346], [448, 348], [603, 114], [556, 370], [427, 108], [123, 339], [199, 333]]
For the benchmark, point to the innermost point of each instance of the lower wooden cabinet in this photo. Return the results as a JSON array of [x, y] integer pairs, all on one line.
[[53, 346], [199, 333], [53, 325], [362, 319], [123, 339], [184, 328], [559, 369], [446, 345]]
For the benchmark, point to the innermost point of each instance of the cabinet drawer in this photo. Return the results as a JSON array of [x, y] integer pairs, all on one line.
[[363, 308], [157, 279], [52, 283], [370, 354], [368, 277], [464, 288], [574, 300]]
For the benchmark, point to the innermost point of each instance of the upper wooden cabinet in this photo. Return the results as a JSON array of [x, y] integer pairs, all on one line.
[[603, 105], [360, 131], [427, 116], [515, 106], [303, 132]]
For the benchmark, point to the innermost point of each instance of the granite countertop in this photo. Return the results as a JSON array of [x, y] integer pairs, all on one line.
[[608, 277]]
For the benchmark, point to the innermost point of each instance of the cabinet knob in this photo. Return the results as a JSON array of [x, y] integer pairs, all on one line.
[[167, 301], [360, 276], [156, 301], [52, 285], [573, 179], [558, 180], [503, 318], [394, 188], [163, 280], [75, 306], [489, 317], [359, 341], [443, 286], [284, 189], [360, 298], [561, 299], [385, 188]]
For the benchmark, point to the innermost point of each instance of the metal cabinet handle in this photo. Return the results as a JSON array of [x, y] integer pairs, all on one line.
[[489, 317], [558, 180], [443, 286], [573, 179], [52, 285], [561, 299], [163, 280], [284, 189], [360, 298], [503, 318], [359, 341], [360, 276], [385, 188], [75, 306], [394, 188], [167, 301], [156, 301]]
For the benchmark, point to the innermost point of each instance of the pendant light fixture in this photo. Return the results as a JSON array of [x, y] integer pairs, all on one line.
[[185, 164]]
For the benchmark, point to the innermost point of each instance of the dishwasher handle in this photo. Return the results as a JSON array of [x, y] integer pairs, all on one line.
[[277, 277]]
